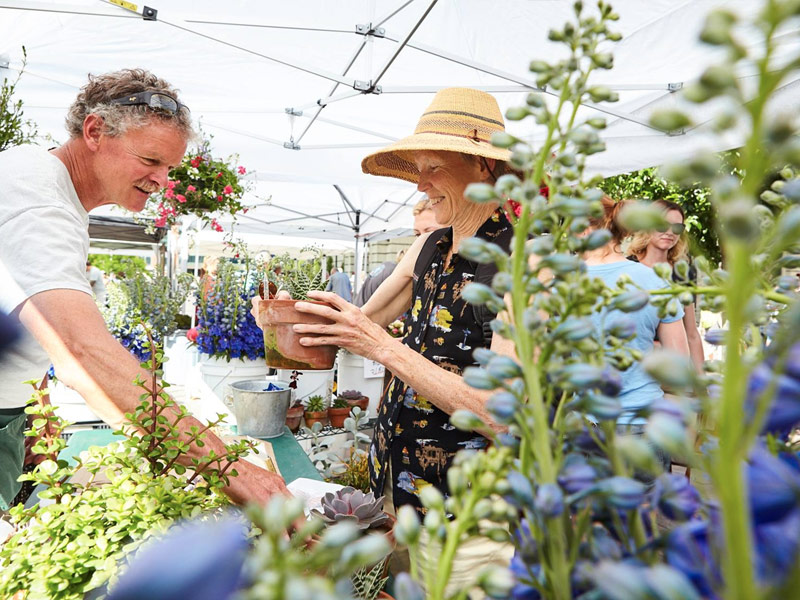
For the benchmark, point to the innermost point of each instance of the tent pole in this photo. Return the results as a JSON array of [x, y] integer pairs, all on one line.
[[357, 261]]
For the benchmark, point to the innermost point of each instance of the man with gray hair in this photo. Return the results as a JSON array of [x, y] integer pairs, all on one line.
[[127, 130]]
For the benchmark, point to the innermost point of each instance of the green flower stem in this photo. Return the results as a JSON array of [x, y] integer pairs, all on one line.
[[717, 291], [737, 563]]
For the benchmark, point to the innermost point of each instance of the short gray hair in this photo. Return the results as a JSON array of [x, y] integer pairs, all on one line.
[[95, 99]]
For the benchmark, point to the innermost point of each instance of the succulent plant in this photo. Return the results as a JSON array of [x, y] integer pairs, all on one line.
[[351, 395], [340, 402], [315, 403], [350, 504]]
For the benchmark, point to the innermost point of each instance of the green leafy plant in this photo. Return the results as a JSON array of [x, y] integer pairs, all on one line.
[[369, 581], [145, 303], [284, 565], [315, 403], [120, 266], [340, 402], [76, 543], [15, 130], [298, 276]]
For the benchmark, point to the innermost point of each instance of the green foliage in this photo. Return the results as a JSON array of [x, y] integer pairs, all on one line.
[[284, 565], [15, 130], [649, 184], [315, 403], [298, 276], [78, 542], [114, 264], [340, 402], [142, 303], [368, 582]]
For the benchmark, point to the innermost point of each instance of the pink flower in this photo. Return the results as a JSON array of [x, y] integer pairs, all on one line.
[[161, 221], [219, 174], [228, 190], [171, 184], [181, 198], [219, 198], [169, 193], [241, 170], [216, 226], [196, 161], [191, 188]]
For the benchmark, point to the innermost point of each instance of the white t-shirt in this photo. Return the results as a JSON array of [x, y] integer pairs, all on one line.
[[44, 242]]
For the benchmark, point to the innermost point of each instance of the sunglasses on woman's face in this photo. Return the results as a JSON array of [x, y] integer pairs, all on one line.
[[676, 228]]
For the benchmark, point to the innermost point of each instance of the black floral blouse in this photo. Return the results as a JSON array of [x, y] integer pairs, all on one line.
[[410, 431]]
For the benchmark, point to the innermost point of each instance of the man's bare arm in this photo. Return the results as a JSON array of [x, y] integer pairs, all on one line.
[[88, 359]]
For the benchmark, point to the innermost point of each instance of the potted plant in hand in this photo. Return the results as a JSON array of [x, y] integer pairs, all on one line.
[[338, 412], [277, 316], [315, 411], [355, 398]]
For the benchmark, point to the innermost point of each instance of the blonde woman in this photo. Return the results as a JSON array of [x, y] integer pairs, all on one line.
[[669, 246]]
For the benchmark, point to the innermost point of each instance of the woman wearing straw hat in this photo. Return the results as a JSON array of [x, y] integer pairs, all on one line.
[[414, 443]]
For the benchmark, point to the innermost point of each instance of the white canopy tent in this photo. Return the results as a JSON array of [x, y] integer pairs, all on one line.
[[303, 90]]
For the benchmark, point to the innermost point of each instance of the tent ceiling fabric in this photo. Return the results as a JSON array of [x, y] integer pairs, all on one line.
[[264, 78]]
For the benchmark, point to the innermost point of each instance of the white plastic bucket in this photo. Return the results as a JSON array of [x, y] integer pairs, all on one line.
[[218, 373], [182, 356], [351, 377], [311, 383]]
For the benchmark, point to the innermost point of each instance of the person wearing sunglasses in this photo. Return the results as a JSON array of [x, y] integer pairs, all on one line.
[[127, 130], [669, 245]]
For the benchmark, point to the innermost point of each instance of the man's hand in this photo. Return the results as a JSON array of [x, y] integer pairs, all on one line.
[[254, 484]]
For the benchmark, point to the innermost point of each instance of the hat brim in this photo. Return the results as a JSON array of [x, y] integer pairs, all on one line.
[[397, 159]]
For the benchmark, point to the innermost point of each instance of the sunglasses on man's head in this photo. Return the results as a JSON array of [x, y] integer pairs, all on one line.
[[155, 100], [676, 228]]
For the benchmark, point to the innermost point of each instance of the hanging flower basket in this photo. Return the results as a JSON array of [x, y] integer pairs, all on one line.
[[201, 185]]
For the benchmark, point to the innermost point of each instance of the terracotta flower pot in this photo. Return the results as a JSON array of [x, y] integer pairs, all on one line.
[[361, 403], [282, 345], [314, 417], [338, 415], [293, 417]]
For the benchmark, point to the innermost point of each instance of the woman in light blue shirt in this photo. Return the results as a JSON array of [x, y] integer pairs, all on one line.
[[609, 264]]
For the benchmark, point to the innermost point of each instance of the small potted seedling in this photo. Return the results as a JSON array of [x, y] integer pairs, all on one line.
[[315, 411], [355, 398], [338, 412]]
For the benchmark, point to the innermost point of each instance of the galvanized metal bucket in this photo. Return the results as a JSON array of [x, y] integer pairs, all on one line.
[[260, 413]]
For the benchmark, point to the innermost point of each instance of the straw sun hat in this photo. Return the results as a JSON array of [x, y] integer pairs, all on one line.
[[458, 120]]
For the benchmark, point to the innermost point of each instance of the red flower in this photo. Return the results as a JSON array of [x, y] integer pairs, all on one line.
[[216, 226], [161, 221], [241, 170], [228, 190], [219, 198], [181, 198], [219, 174], [196, 161], [190, 188]]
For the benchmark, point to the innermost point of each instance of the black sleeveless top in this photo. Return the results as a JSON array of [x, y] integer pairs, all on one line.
[[411, 432]]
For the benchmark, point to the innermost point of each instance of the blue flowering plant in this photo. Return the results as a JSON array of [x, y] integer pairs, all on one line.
[[586, 505], [225, 327], [143, 302]]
